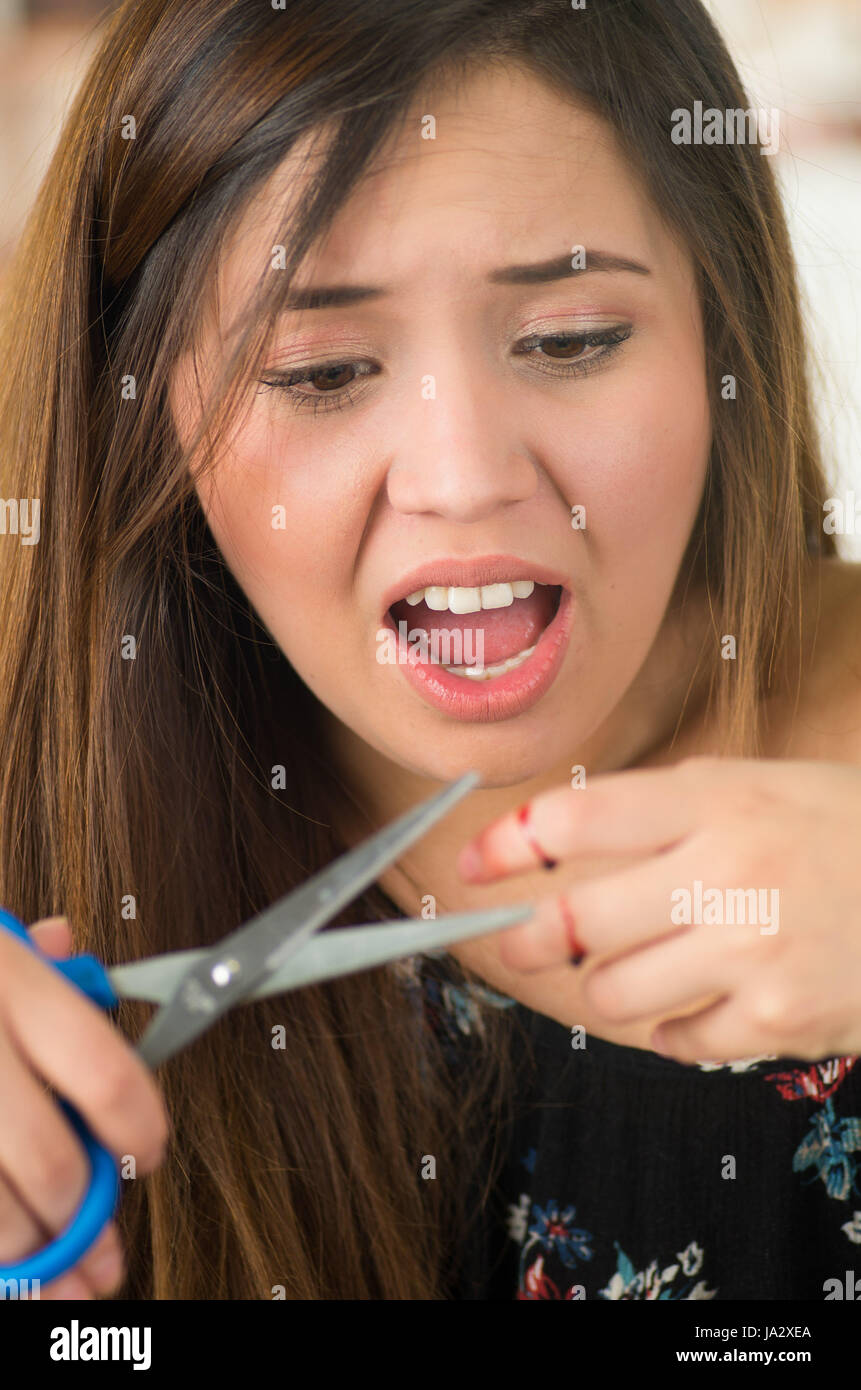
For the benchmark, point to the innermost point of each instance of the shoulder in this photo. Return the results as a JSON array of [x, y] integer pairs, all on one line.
[[832, 619], [839, 583], [818, 712]]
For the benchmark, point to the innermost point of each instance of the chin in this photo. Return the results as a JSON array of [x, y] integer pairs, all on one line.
[[506, 765]]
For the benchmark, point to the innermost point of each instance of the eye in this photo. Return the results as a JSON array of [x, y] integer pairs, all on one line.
[[331, 384], [574, 354], [334, 384]]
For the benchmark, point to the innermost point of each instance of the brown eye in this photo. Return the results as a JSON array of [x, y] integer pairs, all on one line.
[[332, 378], [573, 354], [564, 343], [321, 386]]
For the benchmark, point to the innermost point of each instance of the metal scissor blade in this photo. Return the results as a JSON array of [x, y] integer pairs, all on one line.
[[345, 950], [229, 971], [340, 951]]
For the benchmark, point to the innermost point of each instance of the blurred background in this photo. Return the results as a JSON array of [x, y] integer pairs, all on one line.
[[801, 56]]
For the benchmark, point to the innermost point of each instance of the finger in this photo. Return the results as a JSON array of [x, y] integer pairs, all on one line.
[[103, 1266], [21, 1235], [68, 1288], [41, 1159], [53, 937], [71, 1044], [100, 1271], [640, 811], [693, 966], [719, 1033], [551, 936], [605, 915], [20, 1232], [776, 1013]]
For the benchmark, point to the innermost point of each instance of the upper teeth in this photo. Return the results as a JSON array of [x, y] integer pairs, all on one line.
[[439, 598]]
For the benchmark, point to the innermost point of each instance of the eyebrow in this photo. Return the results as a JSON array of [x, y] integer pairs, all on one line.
[[539, 273]]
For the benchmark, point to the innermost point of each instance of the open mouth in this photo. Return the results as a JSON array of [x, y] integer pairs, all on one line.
[[478, 634]]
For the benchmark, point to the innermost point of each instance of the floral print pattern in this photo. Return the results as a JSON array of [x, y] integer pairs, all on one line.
[[452, 1009], [563, 1256], [552, 1232], [627, 1284], [829, 1148], [831, 1142], [818, 1082]]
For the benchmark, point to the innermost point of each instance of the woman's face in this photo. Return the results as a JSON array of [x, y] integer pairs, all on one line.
[[446, 424]]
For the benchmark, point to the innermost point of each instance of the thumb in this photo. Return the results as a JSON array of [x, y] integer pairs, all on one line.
[[53, 936]]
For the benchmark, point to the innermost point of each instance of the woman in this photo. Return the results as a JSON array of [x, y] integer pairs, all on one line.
[[330, 320]]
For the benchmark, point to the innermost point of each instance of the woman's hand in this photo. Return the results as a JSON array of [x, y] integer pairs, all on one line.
[[51, 1032], [773, 956]]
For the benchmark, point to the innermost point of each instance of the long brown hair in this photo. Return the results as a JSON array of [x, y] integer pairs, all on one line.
[[137, 795]]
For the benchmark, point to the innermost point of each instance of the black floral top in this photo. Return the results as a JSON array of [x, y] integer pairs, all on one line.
[[633, 1176]]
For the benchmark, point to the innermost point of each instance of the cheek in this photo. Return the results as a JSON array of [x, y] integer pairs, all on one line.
[[641, 476], [288, 544]]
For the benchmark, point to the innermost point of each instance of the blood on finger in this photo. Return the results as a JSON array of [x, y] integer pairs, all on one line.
[[577, 951], [523, 815]]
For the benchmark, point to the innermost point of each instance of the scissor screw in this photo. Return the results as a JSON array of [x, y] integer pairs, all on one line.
[[224, 971]]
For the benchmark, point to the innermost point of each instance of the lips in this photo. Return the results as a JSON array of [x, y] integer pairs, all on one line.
[[469, 574]]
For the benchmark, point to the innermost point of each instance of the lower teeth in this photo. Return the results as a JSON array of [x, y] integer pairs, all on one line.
[[488, 673]]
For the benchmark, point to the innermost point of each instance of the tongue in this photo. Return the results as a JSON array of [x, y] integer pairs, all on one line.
[[507, 631]]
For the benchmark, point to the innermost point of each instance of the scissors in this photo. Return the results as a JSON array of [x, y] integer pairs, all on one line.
[[274, 952]]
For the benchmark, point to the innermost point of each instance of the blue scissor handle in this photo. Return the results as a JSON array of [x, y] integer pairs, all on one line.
[[100, 1201]]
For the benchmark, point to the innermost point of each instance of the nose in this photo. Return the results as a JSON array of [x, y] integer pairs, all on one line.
[[457, 459]]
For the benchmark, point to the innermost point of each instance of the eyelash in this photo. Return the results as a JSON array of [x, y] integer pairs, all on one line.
[[608, 339]]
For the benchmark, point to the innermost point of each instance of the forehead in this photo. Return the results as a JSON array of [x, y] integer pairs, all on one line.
[[514, 167]]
